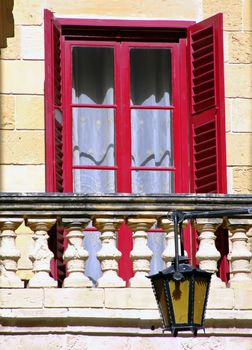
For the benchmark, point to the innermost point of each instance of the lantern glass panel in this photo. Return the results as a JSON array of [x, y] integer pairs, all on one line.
[[180, 299], [161, 300], [200, 290]]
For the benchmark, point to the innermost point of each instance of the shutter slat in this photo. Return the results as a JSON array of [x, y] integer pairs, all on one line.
[[203, 41], [202, 59], [205, 153], [203, 78], [203, 95], [203, 86], [205, 144], [208, 188], [204, 104], [199, 62], [201, 164], [200, 71], [205, 170], [207, 179], [203, 51]]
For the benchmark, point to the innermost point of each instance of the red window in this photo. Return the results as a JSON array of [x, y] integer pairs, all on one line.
[[134, 106]]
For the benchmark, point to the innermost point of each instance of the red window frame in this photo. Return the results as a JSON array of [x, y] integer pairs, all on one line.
[[123, 167]]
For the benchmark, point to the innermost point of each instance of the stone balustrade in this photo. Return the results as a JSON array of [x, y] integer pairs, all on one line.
[[106, 213]]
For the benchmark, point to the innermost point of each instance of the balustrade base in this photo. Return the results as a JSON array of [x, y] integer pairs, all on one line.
[[139, 281], [77, 281], [236, 283], [42, 280], [216, 282], [14, 282]]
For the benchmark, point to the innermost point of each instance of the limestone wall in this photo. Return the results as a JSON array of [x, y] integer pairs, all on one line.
[[22, 76], [115, 319]]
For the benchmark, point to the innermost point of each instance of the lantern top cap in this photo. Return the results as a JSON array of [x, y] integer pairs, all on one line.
[[184, 271]]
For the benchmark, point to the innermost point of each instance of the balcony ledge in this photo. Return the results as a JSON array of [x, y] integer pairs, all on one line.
[[116, 205]]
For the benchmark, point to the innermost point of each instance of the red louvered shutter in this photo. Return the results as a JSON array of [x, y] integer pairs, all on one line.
[[54, 137], [208, 150], [205, 46], [53, 106]]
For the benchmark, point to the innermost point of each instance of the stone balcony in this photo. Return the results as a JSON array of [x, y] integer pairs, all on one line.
[[31, 301]]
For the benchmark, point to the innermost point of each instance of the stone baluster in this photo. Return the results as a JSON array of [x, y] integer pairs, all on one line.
[[40, 254], [169, 252], [9, 254], [207, 253], [141, 253], [75, 254], [109, 254], [240, 256]]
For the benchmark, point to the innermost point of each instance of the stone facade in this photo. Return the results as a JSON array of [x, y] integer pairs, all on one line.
[[22, 168], [21, 100]]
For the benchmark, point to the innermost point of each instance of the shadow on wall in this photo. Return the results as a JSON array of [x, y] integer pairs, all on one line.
[[6, 31]]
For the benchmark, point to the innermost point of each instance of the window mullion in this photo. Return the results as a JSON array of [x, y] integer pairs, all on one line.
[[123, 126]]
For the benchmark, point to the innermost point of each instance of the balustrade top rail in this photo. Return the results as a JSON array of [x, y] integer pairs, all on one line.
[[116, 205]]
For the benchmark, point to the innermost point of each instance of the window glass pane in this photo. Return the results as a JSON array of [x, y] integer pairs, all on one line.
[[93, 75], [93, 136], [93, 181], [151, 141], [150, 77], [152, 182]]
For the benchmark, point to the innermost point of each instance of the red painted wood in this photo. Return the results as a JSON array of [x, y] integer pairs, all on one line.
[[208, 149], [49, 103], [205, 40], [81, 105], [182, 120], [101, 167], [153, 168], [124, 23], [152, 107]]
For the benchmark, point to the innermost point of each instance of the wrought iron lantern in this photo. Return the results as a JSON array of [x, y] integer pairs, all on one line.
[[181, 290]]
